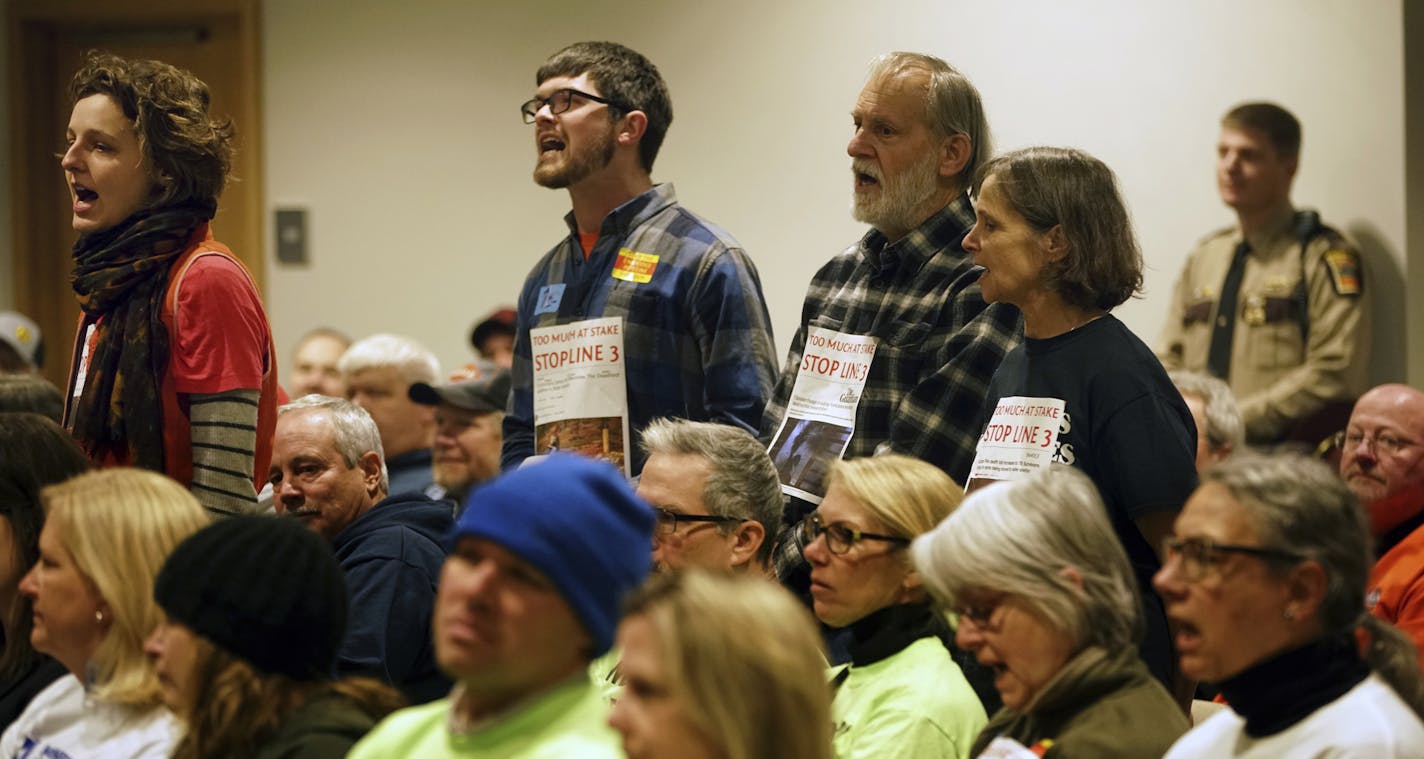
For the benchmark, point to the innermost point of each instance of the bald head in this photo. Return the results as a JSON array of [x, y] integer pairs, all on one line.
[[1383, 457]]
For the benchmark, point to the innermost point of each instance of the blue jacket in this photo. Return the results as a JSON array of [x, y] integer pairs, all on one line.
[[392, 556]]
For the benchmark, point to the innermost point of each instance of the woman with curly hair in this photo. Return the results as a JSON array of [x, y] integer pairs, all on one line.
[[173, 368], [254, 612]]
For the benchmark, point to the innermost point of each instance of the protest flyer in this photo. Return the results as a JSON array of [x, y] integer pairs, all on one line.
[[580, 389], [820, 414]]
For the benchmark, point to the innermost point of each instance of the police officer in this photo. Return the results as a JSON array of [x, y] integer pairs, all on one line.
[[1275, 305]]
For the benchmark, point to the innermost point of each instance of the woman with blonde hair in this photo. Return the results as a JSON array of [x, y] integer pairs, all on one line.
[[718, 665], [105, 536], [1045, 597], [255, 609], [901, 694]]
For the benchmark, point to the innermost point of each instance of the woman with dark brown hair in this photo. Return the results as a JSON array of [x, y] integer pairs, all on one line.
[[173, 368], [1054, 238], [34, 452], [254, 611]]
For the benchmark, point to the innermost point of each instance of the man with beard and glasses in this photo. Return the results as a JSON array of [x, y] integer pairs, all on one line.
[[903, 302], [695, 338]]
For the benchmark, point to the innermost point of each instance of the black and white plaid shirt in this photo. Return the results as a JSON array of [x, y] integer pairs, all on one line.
[[939, 342]]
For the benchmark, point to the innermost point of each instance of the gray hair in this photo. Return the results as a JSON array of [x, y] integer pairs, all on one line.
[[1223, 417], [1046, 541], [354, 431], [413, 360], [741, 481], [1299, 505], [1070, 189], [952, 104]]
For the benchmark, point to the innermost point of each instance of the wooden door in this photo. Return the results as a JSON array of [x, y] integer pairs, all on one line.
[[215, 39]]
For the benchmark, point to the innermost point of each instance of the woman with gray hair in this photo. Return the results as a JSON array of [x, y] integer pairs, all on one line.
[[1053, 235], [1045, 596], [1265, 580]]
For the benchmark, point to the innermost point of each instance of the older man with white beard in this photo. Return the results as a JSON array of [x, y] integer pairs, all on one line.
[[906, 294]]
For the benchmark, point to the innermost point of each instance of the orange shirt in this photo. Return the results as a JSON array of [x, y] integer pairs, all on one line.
[[1395, 591]]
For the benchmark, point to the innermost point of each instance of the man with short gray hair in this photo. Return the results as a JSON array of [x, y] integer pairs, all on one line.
[[1220, 431], [716, 495], [897, 320], [378, 372], [328, 471]]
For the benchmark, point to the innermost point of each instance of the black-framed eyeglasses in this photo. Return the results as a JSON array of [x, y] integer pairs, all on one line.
[[1201, 556], [669, 520], [840, 538], [561, 100]]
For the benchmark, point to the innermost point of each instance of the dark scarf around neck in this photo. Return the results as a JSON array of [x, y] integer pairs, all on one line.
[[889, 631], [1286, 688], [121, 275]]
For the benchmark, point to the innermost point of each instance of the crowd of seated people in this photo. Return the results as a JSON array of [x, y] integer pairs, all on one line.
[[380, 561]]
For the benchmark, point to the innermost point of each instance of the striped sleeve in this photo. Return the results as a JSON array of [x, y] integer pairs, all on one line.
[[224, 434]]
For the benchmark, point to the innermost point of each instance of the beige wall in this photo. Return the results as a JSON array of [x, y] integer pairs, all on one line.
[[395, 124]]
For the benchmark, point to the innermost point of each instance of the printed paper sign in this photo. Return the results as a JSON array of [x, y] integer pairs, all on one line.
[[1019, 440], [820, 415], [580, 389]]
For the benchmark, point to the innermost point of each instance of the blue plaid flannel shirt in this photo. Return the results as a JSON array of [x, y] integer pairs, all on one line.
[[697, 336]]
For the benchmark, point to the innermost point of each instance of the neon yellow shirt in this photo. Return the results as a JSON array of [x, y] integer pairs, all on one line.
[[569, 720]]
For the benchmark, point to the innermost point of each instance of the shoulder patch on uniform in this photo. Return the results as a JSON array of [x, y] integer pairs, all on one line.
[[1344, 267]]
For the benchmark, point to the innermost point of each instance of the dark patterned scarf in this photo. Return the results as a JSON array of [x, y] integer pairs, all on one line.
[[121, 275]]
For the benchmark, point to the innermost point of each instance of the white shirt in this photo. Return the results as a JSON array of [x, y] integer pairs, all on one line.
[[1368, 722], [63, 722]]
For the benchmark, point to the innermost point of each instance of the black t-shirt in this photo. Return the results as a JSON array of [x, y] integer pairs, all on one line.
[[1125, 425]]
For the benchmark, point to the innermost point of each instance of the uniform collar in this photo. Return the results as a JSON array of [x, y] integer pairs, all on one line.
[[1279, 227]]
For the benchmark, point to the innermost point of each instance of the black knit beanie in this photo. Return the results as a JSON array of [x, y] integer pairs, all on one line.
[[266, 589]]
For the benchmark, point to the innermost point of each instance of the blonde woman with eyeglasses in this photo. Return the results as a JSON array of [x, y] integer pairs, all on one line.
[[1044, 595], [1265, 582], [901, 694]]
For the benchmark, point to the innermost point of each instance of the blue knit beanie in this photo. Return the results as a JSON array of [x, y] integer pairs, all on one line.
[[578, 522]]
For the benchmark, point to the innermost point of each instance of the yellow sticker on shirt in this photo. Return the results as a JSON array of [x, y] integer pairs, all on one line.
[[1344, 267], [634, 267]]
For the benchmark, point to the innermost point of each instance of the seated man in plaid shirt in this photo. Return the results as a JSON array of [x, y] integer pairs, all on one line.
[[906, 295]]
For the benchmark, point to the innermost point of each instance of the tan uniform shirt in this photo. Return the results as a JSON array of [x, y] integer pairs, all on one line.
[[1279, 373]]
